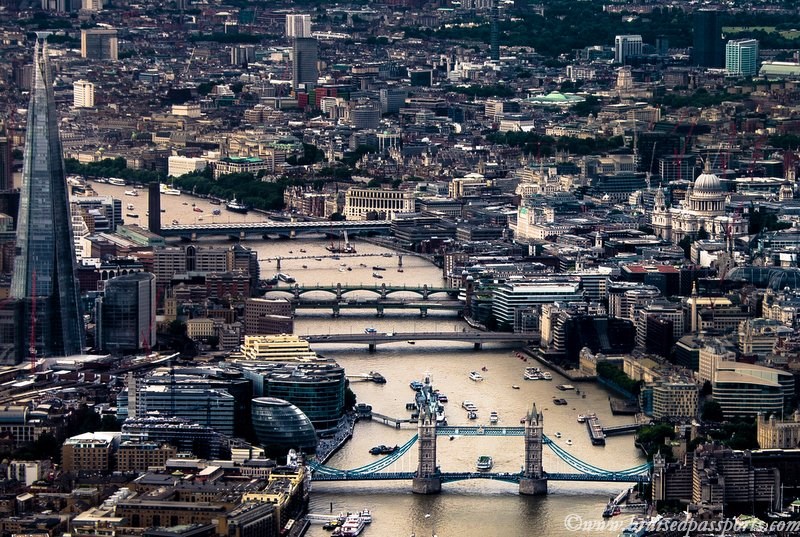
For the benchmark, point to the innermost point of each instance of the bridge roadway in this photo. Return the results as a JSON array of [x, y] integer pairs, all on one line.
[[380, 306], [383, 290], [243, 229], [379, 338], [449, 477]]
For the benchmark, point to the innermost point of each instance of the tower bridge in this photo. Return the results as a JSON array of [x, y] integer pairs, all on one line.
[[428, 478]]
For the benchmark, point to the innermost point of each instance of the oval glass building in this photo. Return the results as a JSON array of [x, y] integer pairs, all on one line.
[[280, 426]]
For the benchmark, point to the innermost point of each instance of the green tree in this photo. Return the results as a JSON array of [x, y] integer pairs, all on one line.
[[712, 411]]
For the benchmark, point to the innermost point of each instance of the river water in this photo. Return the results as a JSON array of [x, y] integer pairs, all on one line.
[[470, 508]]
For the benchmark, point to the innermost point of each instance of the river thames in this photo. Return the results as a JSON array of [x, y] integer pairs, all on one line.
[[467, 508]]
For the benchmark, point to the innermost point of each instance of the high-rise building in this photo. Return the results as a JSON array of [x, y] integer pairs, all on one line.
[[626, 47], [125, 314], [6, 175], [82, 94], [494, 33], [44, 281], [99, 44], [708, 48], [298, 25], [741, 57], [304, 61], [92, 5]]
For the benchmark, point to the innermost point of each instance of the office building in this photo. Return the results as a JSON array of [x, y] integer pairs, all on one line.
[[44, 281], [92, 5], [281, 426], [262, 314], [316, 388], [510, 296], [279, 348], [206, 407], [627, 47], [99, 44], [744, 390], [139, 456], [298, 25], [90, 452], [125, 314], [186, 436], [304, 62], [178, 165], [741, 57], [376, 203], [708, 48], [82, 94], [6, 162]]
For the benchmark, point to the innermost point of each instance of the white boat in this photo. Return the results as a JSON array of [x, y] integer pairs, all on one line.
[[366, 515], [530, 375], [469, 406], [484, 463], [131, 192], [546, 375], [558, 435], [569, 442], [353, 525], [581, 418], [130, 207], [116, 181], [493, 417], [169, 191], [474, 375]]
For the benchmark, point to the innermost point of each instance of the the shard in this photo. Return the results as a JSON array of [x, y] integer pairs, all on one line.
[[44, 281]]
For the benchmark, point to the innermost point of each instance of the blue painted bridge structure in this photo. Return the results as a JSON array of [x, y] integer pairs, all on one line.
[[428, 478]]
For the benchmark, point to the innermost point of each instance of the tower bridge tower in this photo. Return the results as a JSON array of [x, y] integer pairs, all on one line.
[[533, 481], [427, 479]]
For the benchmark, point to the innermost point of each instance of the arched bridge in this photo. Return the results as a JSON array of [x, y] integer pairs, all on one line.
[[383, 290], [378, 338]]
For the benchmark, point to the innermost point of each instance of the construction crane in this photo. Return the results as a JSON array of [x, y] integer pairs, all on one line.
[[32, 343]]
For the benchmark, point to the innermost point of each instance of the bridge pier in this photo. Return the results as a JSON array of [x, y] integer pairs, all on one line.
[[371, 347], [399, 260], [423, 312], [296, 291], [477, 346], [278, 263], [383, 291], [242, 235], [425, 292], [338, 291], [380, 311], [336, 311], [533, 482], [427, 479]]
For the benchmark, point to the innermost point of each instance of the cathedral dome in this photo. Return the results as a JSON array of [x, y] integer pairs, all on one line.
[[707, 182]]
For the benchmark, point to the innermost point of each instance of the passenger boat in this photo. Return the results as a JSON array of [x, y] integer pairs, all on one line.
[[116, 181], [174, 222], [569, 442], [514, 387], [213, 201], [370, 330], [353, 526], [164, 189], [132, 215], [472, 415], [442, 398], [382, 450], [558, 435], [581, 418], [559, 401], [130, 207], [132, 192], [366, 515], [378, 268], [475, 376], [565, 387], [374, 275], [285, 278], [415, 385], [197, 209], [484, 463], [411, 342], [546, 375], [493, 417], [216, 212], [237, 207]]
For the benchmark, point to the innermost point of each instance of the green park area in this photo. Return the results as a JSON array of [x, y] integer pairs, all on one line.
[[786, 34]]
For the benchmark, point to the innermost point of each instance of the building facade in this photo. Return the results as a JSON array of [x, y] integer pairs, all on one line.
[[125, 314], [361, 203], [741, 57], [304, 61], [626, 47], [82, 94], [99, 44], [44, 281]]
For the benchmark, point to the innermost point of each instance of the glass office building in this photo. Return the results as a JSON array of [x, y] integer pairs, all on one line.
[[280, 426], [125, 314], [44, 281]]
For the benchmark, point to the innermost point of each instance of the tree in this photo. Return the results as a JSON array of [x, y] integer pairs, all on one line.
[[350, 398], [712, 411]]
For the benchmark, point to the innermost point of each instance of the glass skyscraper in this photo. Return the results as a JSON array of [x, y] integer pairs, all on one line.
[[44, 281]]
